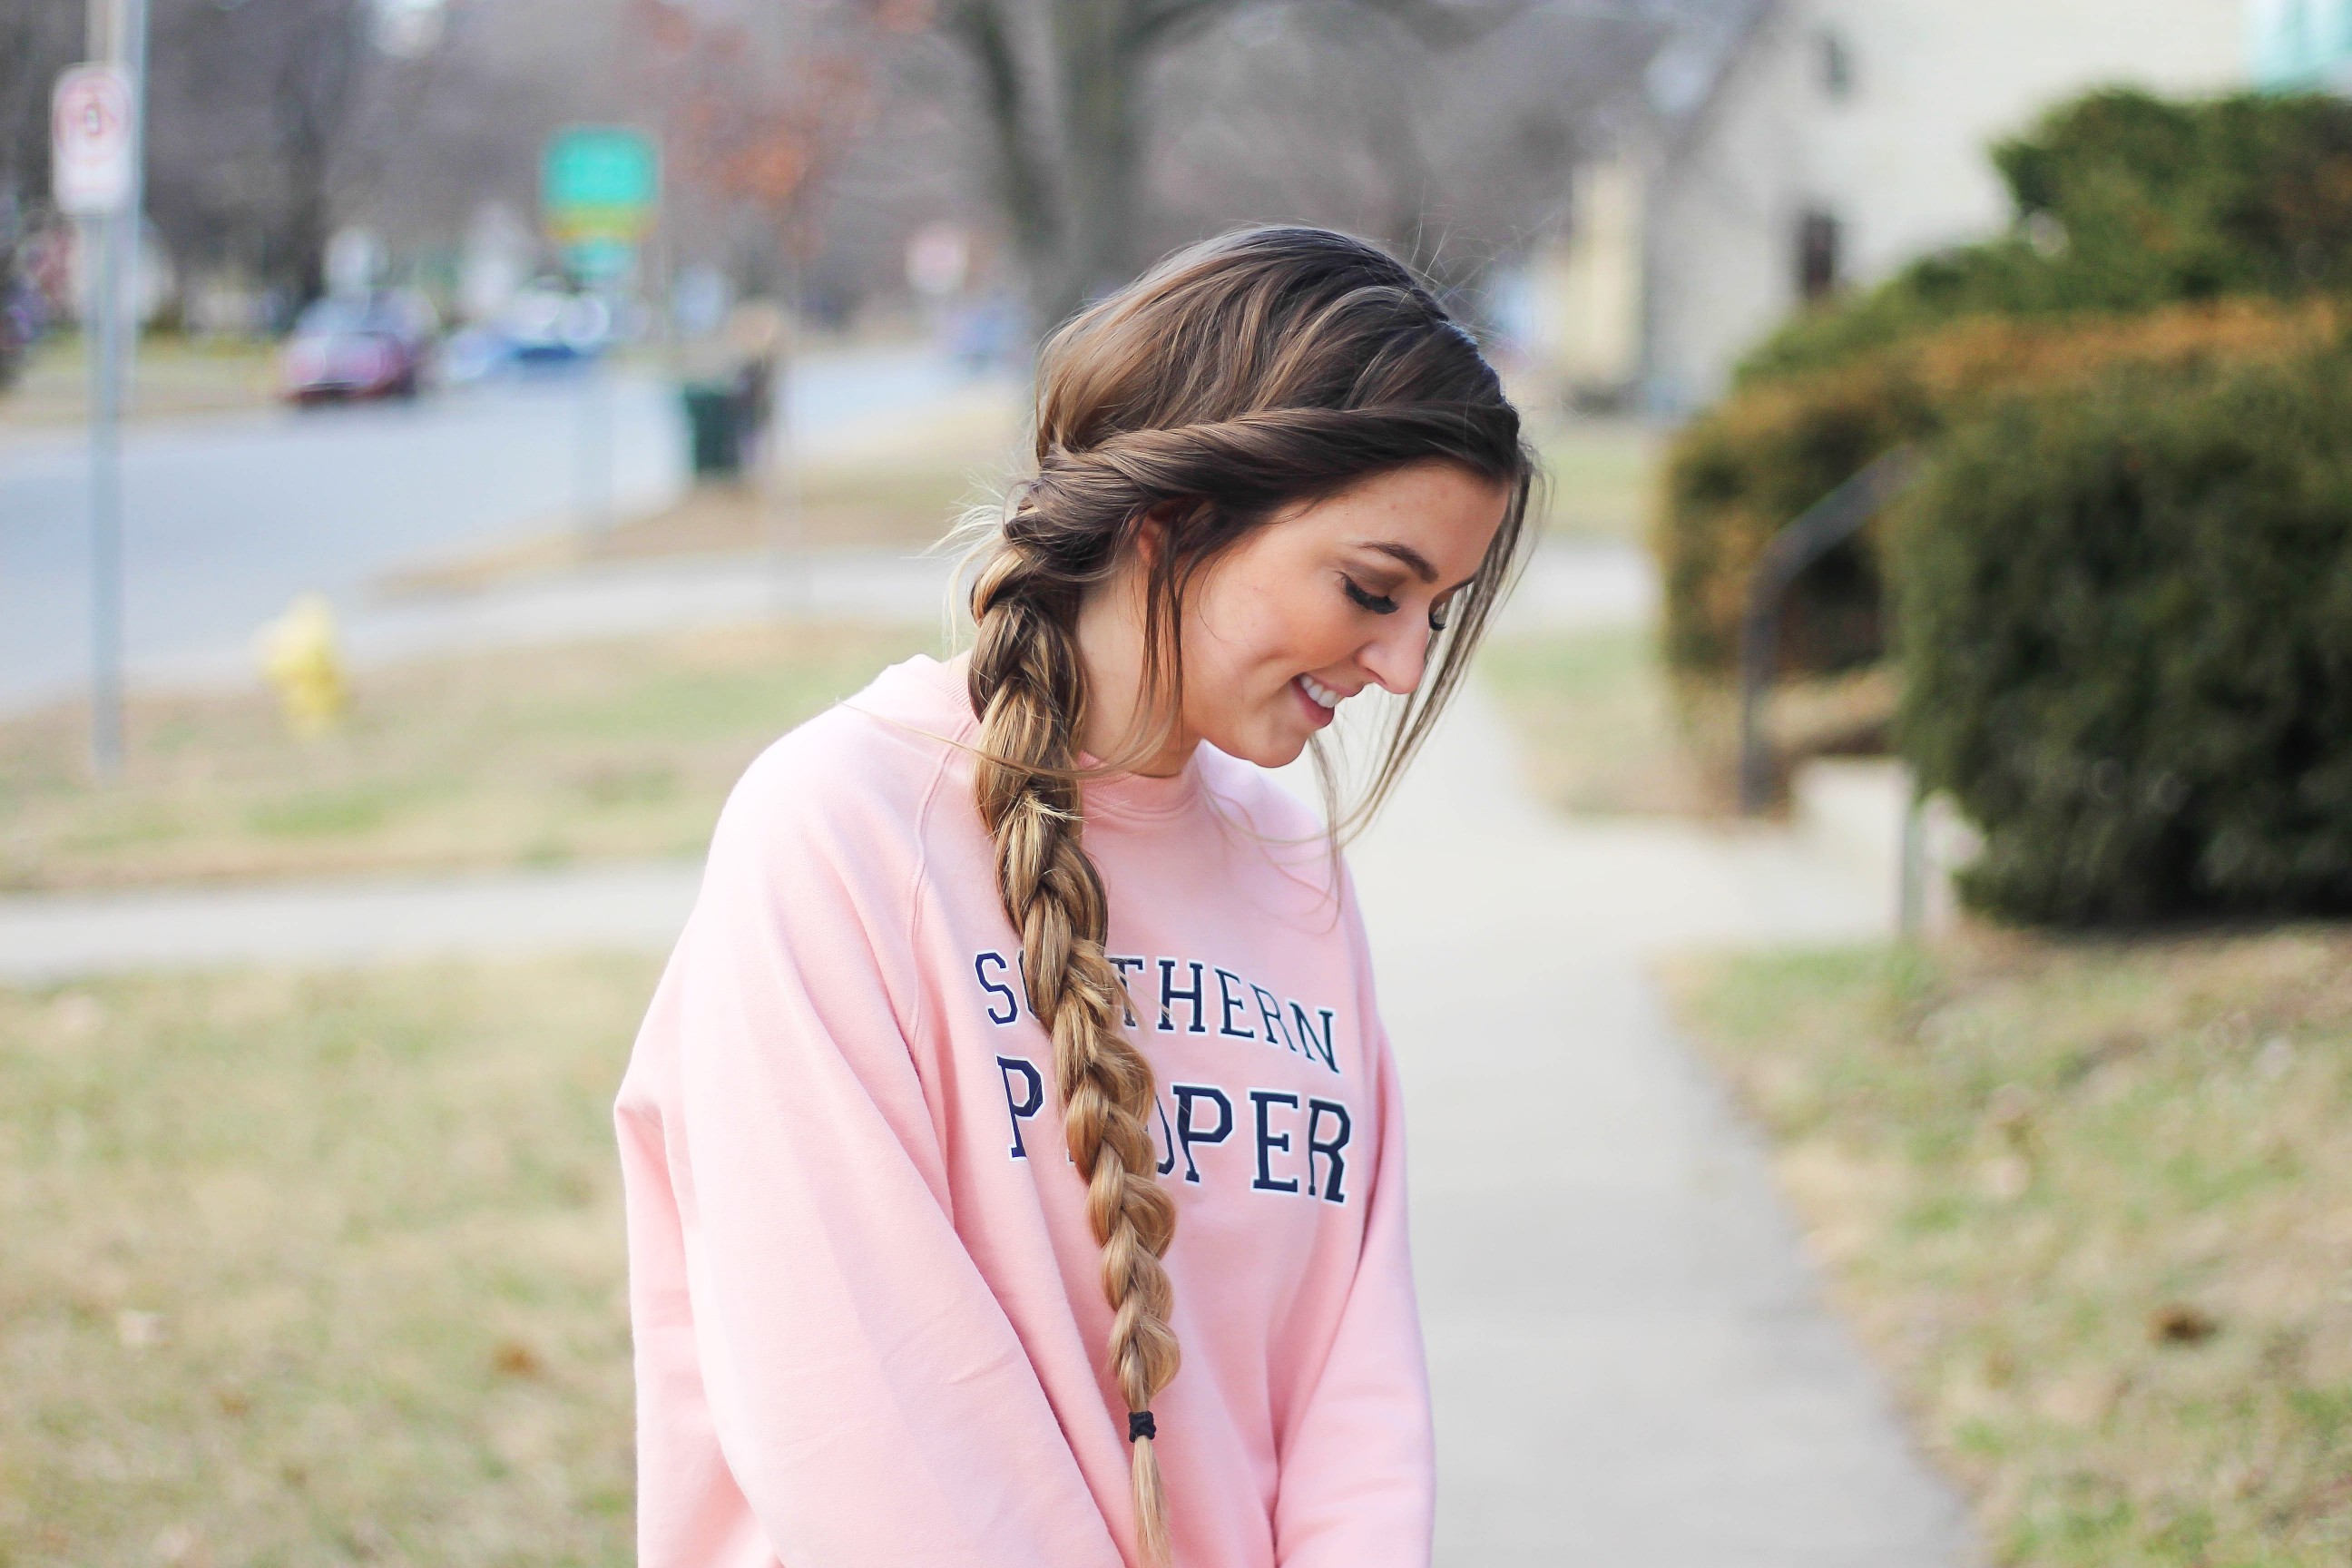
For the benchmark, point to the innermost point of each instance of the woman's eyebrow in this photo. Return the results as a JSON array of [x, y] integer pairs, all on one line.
[[1406, 553]]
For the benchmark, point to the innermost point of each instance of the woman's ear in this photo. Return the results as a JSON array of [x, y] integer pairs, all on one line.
[[1151, 533]]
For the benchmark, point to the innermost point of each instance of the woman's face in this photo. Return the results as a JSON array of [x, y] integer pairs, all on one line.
[[1328, 599]]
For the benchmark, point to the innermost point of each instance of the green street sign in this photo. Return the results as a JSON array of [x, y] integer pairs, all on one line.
[[599, 185]]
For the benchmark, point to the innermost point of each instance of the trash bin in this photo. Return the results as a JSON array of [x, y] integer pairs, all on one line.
[[714, 422]]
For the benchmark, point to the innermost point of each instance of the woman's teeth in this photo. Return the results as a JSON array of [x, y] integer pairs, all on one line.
[[1323, 695]]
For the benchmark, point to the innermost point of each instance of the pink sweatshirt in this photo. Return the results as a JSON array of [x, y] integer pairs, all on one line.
[[870, 1323]]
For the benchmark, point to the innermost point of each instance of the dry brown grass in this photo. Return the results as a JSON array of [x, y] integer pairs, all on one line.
[[526, 756], [1603, 731], [1603, 472], [2092, 1205], [1597, 725], [173, 376], [316, 1269]]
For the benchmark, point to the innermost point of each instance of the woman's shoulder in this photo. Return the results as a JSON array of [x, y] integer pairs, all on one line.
[[870, 759]]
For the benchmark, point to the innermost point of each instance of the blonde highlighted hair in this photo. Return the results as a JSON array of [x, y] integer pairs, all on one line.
[[1237, 379]]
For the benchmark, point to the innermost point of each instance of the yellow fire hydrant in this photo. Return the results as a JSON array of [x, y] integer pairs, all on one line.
[[299, 657]]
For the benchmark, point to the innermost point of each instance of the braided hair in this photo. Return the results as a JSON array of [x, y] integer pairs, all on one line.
[[1240, 377]]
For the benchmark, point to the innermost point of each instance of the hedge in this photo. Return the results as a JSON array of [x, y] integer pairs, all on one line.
[[2125, 203], [1739, 473], [2125, 617]]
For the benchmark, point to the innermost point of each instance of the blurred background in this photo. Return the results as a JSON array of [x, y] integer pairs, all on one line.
[[1893, 859]]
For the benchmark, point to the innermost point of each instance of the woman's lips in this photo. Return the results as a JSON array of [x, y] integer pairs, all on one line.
[[1318, 713]]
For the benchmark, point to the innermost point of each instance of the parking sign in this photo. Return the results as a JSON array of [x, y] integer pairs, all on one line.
[[90, 141]]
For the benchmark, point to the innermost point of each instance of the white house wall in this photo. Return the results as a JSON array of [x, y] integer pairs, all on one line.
[[1720, 212], [1900, 161]]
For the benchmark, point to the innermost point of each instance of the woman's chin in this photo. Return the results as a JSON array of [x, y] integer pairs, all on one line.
[[1267, 751]]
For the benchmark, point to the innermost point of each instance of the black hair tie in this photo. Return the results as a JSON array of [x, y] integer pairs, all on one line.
[[1140, 1424]]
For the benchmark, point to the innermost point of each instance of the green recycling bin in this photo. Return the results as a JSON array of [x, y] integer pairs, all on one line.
[[714, 422]]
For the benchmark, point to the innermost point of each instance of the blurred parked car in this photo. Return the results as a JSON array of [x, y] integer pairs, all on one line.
[[351, 349], [984, 334], [545, 328]]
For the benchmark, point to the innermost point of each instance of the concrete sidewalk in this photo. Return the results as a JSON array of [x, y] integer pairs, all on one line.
[[1633, 1366], [633, 906]]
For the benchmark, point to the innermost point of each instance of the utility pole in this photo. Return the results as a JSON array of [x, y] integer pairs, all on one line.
[[107, 109]]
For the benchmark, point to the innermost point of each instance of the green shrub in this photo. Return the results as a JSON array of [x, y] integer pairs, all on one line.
[[1739, 473], [2126, 623], [2125, 203]]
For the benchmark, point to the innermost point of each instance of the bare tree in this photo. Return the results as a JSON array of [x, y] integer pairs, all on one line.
[[256, 109], [1081, 136], [1066, 89], [38, 38], [469, 123], [316, 96], [1060, 84], [755, 120]]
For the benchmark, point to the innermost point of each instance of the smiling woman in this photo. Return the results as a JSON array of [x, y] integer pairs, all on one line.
[[882, 1316], [1338, 594]]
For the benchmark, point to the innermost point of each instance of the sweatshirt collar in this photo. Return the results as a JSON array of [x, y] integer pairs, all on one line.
[[1123, 797]]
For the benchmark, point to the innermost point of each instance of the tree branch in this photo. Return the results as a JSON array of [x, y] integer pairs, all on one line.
[[1159, 23], [1449, 24], [981, 27]]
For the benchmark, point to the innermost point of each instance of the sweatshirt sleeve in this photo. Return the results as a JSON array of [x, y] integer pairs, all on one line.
[[1359, 1476], [848, 1371]]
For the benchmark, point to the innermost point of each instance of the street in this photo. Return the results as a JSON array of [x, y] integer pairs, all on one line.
[[228, 517]]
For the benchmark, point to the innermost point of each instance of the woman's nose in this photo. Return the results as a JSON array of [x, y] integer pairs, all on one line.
[[1396, 660]]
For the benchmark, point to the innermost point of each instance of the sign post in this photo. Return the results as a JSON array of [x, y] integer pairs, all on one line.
[[600, 187], [96, 159]]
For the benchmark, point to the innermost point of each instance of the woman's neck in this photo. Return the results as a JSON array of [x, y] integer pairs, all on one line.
[[1110, 651]]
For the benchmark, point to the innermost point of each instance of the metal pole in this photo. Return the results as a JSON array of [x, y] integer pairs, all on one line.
[[106, 512], [1760, 645], [780, 403], [117, 306], [1911, 893], [592, 458], [777, 482], [1828, 523]]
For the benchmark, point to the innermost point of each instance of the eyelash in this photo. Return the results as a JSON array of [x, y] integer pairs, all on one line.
[[1382, 604]]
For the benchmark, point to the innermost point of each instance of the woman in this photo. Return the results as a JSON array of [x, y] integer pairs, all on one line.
[[1011, 972]]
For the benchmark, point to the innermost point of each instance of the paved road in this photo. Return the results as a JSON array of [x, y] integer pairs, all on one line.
[[228, 517]]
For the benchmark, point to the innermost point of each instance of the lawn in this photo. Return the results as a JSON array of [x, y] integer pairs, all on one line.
[[1603, 472], [173, 374], [1604, 731], [316, 1269], [2091, 1203], [1597, 726], [523, 756]]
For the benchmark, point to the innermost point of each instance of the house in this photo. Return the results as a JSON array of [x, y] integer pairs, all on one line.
[[1800, 146]]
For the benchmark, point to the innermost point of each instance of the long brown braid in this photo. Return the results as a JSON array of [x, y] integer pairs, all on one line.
[[1239, 377]]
